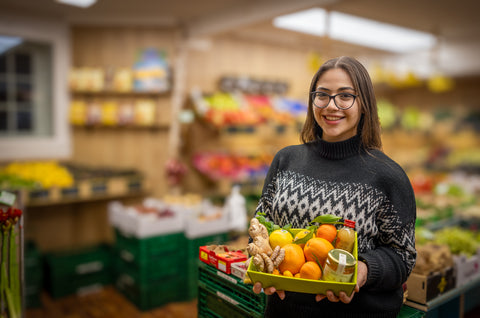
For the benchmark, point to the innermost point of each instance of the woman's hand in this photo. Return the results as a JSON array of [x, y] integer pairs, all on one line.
[[362, 271], [257, 289]]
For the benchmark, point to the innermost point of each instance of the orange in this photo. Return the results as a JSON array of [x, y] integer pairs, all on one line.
[[276, 272], [327, 231], [287, 273], [310, 270], [294, 259], [316, 249]]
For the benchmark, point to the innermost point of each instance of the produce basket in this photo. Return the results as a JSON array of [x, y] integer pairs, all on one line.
[[303, 285]]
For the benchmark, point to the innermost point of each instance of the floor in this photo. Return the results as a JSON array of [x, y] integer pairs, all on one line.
[[104, 304]]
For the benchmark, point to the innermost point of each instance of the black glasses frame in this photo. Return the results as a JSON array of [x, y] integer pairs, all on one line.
[[334, 100]]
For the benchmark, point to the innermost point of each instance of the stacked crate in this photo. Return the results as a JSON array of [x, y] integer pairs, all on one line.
[[151, 271], [223, 295], [193, 247], [78, 271], [33, 275]]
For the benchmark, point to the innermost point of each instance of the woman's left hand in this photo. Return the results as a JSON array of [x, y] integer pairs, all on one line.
[[362, 271]]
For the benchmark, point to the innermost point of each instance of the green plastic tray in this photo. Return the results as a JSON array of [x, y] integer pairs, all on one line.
[[302, 285]]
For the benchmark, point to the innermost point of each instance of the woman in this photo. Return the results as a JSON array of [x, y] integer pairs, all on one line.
[[340, 169]]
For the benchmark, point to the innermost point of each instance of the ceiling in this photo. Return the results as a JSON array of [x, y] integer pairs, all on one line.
[[455, 22]]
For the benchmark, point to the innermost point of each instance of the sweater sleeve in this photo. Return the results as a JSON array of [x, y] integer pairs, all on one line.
[[390, 263]]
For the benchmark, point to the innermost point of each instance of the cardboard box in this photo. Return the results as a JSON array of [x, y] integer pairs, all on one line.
[[423, 288], [222, 261], [466, 268]]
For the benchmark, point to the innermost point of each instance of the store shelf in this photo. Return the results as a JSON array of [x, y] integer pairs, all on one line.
[[102, 197]]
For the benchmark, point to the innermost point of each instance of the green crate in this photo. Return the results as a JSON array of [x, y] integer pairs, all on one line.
[[60, 287], [32, 296], [157, 268], [409, 312], [231, 286], [221, 305], [193, 261], [69, 264], [170, 289], [140, 251], [32, 256]]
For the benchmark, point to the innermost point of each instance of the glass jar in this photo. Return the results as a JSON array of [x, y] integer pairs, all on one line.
[[346, 236], [339, 266]]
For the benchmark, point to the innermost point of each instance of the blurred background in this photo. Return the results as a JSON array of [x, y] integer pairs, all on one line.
[[125, 123]]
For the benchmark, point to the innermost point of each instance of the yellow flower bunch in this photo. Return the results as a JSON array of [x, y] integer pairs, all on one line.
[[47, 173]]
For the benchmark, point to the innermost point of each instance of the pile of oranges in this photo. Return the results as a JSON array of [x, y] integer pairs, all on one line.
[[304, 260]]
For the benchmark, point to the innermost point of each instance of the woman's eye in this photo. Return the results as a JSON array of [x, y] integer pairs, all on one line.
[[322, 95], [345, 96]]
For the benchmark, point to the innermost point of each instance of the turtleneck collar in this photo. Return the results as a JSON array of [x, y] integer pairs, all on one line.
[[338, 150]]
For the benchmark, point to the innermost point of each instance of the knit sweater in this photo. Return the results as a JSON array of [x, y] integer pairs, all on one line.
[[345, 180]]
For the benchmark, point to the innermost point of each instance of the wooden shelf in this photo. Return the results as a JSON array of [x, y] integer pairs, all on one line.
[[106, 93]]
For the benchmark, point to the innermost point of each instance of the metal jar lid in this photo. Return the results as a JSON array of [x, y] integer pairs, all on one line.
[[348, 259]]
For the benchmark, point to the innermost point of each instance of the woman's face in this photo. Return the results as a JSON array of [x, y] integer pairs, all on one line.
[[337, 124]]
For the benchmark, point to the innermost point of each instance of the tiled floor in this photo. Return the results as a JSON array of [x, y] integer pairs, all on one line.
[[104, 304]]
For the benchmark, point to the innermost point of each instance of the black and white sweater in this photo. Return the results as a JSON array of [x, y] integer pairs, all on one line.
[[343, 179]]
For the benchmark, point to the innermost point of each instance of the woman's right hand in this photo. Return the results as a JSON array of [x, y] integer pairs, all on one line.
[[257, 289]]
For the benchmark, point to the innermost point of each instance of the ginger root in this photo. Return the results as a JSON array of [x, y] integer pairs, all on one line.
[[267, 264], [259, 234]]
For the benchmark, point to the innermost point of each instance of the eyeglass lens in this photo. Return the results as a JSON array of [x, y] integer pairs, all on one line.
[[342, 100]]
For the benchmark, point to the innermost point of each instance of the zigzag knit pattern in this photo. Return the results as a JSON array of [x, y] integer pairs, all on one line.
[[298, 199]]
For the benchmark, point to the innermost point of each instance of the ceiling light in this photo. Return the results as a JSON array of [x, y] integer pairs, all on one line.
[[311, 21], [383, 36], [356, 30], [78, 3]]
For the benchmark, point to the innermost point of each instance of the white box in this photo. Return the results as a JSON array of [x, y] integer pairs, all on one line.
[[239, 270], [209, 221], [131, 222], [466, 268]]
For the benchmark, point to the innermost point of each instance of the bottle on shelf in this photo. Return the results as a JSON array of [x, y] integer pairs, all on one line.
[[346, 236]]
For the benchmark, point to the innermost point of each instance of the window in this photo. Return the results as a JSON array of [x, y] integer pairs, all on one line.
[[34, 63]]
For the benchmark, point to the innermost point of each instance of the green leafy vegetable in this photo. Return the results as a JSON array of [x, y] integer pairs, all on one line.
[[327, 219]]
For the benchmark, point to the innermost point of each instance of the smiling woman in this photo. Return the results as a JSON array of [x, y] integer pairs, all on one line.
[[340, 169]]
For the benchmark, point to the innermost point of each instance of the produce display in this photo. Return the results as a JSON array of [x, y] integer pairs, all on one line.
[[217, 165], [309, 260], [10, 285], [224, 109], [43, 174]]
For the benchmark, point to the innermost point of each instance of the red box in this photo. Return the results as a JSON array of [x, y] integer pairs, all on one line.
[[223, 260]]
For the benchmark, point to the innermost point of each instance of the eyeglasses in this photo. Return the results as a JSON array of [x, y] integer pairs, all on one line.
[[341, 100]]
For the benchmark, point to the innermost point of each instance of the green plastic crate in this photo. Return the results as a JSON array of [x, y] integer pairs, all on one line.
[[220, 305], [170, 289], [69, 264], [193, 250], [60, 287], [409, 312], [157, 268], [140, 251], [231, 286]]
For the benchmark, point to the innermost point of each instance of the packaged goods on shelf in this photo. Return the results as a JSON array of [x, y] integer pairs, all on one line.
[[153, 217]]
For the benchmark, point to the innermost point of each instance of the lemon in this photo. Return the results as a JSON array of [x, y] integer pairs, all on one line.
[[300, 235], [280, 238]]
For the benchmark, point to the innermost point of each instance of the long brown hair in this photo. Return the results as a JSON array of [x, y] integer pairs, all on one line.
[[369, 125]]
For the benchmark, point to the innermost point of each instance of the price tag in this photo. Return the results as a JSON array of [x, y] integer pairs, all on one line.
[[7, 198]]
